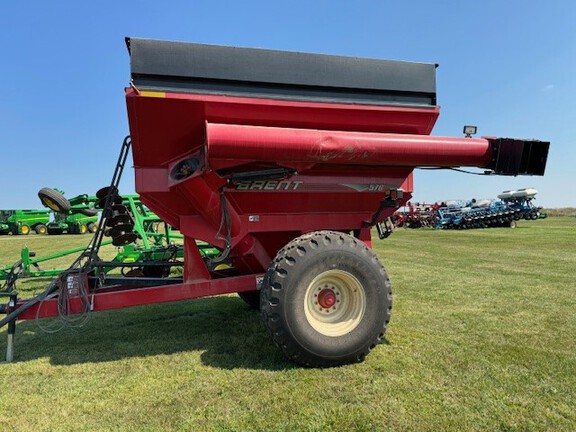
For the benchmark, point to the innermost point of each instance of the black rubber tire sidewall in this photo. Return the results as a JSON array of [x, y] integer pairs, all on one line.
[[89, 211], [54, 200]]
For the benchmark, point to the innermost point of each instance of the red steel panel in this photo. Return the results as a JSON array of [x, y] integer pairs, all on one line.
[[164, 126]]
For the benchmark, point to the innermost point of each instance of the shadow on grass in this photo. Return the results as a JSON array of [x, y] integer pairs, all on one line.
[[224, 330]]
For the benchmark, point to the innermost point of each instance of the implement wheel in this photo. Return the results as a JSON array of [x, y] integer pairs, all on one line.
[[25, 229], [89, 211], [54, 200], [326, 300], [40, 229]]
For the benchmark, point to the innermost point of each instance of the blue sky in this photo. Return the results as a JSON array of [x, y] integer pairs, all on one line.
[[508, 67]]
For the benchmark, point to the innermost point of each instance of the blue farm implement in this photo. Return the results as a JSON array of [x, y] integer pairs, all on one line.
[[522, 200], [476, 214], [511, 207]]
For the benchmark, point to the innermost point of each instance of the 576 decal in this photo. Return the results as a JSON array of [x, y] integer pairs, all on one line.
[[370, 187]]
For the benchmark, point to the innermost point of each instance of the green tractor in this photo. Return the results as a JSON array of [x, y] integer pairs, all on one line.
[[23, 221], [74, 216]]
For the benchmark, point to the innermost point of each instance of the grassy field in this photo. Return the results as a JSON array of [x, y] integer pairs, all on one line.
[[483, 337], [564, 212]]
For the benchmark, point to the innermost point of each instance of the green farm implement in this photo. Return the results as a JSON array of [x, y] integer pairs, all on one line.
[[30, 266], [71, 216], [156, 241], [23, 221], [76, 223], [79, 215]]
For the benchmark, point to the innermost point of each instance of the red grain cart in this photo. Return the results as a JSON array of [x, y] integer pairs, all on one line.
[[286, 161]]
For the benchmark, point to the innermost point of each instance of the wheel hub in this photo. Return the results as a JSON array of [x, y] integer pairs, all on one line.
[[334, 302], [326, 298]]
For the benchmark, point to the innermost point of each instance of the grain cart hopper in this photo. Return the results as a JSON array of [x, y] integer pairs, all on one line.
[[285, 162]]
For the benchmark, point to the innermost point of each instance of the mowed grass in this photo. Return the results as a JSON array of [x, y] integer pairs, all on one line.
[[482, 337]]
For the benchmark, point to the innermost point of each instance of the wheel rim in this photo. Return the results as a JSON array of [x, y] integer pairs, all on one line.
[[25, 229], [50, 204], [335, 302]]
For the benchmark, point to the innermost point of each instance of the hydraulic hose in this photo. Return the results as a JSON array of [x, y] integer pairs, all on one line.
[[23, 308]]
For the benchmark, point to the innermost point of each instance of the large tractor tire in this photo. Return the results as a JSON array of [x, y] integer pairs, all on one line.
[[54, 200], [326, 300], [25, 229]]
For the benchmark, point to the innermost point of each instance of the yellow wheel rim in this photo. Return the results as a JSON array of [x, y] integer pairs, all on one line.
[[50, 204]]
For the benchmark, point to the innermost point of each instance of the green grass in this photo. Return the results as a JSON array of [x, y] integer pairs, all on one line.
[[482, 338]]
